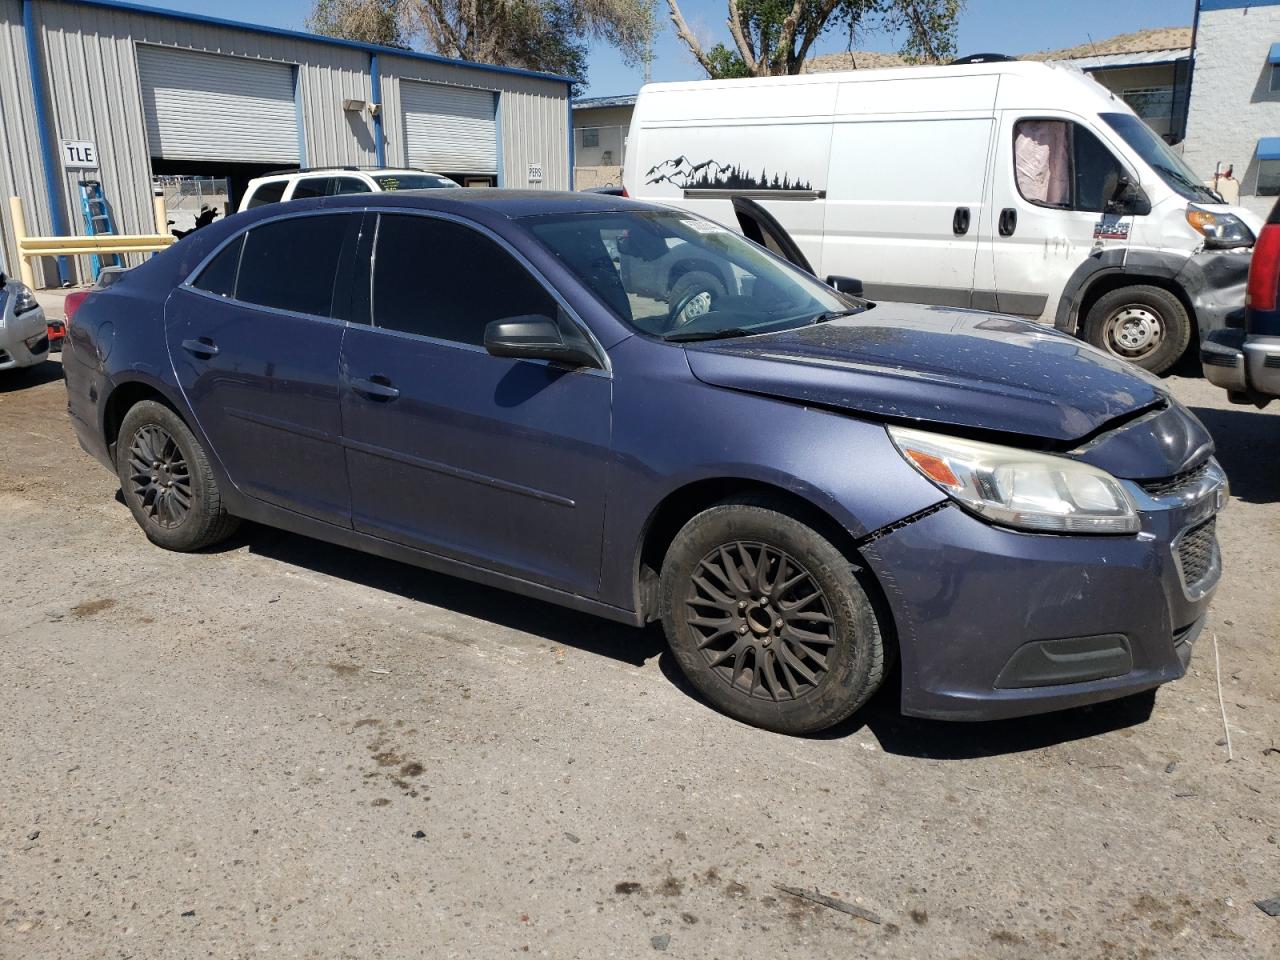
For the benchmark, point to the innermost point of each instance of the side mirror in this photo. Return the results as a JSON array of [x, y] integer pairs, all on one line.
[[1128, 200], [850, 285], [535, 337]]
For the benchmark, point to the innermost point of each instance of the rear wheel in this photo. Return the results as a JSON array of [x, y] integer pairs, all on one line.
[[167, 482], [1143, 324], [768, 620]]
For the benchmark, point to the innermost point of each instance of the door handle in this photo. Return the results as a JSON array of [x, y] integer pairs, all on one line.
[[375, 388], [1008, 221], [202, 347], [960, 222]]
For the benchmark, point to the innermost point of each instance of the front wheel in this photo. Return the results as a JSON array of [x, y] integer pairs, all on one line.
[[768, 620], [1145, 325], [167, 482]]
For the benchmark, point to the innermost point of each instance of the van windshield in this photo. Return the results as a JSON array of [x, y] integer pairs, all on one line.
[[679, 277], [1172, 169]]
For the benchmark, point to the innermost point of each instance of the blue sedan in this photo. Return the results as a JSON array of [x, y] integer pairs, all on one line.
[[639, 413]]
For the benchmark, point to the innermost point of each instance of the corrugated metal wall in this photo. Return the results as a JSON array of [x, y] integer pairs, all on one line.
[[94, 93]]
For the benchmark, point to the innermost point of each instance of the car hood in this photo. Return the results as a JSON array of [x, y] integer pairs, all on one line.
[[963, 369]]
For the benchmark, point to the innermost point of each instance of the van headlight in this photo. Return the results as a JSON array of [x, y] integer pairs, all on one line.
[[1020, 488], [1220, 230]]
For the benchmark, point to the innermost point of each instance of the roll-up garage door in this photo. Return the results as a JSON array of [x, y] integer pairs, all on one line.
[[449, 129], [201, 106]]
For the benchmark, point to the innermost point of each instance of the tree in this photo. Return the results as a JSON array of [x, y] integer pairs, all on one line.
[[549, 35], [370, 21], [773, 37]]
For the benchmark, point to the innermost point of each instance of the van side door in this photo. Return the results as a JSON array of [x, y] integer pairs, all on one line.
[[905, 200], [1054, 179]]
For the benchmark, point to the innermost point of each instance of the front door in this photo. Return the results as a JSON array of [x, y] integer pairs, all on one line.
[[255, 343], [1054, 179], [492, 461]]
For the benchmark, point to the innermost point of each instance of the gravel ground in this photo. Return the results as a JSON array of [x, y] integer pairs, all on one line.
[[286, 748]]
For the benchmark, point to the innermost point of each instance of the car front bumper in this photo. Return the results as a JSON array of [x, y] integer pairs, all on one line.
[[1246, 366], [994, 623], [24, 339]]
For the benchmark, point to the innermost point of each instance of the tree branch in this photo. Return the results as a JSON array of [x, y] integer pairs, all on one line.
[[788, 35], [685, 34], [740, 38]]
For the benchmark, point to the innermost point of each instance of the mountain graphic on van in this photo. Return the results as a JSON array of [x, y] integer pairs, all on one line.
[[713, 175]]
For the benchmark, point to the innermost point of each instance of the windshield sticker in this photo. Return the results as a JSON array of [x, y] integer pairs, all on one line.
[[1111, 230], [704, 226]]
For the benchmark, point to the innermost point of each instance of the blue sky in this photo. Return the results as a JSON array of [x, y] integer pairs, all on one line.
[[987, 26]]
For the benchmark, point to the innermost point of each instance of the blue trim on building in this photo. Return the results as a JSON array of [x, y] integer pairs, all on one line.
[[297, 111], [315, 38], [1210, 5], [572, 143], [375, 79], [1274, 55], [1269, 148], [48, 156], [497, 132]]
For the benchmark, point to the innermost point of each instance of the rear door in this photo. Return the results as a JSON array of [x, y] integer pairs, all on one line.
[[255, 342], [1053, 178], [905, 200]]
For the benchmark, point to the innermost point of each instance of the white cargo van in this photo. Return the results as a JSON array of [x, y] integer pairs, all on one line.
[[1024, 188]]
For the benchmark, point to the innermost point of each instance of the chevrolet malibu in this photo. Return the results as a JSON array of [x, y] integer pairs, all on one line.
[[805, 488]]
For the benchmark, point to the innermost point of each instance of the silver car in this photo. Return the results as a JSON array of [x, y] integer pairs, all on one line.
[[24, 334]]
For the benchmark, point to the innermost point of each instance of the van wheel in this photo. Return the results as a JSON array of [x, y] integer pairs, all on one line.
[[692, 296], [167, 483], [768, 620], [1145, 325]]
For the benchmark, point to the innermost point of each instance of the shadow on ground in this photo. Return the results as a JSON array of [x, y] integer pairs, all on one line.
[[1248, 443], [897, 734], [28, 377]]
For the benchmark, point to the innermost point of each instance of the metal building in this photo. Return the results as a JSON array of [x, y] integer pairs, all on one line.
[[121, 94]]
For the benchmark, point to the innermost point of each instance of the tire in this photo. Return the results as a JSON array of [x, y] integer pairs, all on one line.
[[694, 287], [186, 515], [731, 646], [1145, 325]]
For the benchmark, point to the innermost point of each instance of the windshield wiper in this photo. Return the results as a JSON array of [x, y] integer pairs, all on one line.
[[1186, 181], [836, 314], [691, 336]]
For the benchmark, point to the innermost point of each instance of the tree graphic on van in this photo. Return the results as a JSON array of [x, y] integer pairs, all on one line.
[[712, 175]]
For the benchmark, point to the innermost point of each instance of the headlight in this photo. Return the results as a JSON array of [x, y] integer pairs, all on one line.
[[1020, 488], [1220, 230], [24, 301]]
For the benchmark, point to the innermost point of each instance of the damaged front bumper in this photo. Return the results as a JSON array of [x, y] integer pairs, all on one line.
[[1215, 282], [995, 623]]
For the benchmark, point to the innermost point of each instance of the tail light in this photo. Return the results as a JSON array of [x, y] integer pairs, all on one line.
[[625, 194], [1264, 270], [72, 303]]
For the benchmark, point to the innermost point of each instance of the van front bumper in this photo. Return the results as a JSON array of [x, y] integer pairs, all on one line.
[[993, 623], [1246, 366]]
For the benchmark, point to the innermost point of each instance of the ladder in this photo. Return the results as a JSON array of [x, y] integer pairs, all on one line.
[[97, 220]]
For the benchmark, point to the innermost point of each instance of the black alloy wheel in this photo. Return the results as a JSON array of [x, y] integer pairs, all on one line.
[[161, 480]]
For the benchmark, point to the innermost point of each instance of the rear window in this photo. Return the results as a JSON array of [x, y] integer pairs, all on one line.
[[220, 275], [293, 264], [411, 181], [311, 187], [270, 192]]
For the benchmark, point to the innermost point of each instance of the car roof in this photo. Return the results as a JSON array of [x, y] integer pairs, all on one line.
[[480, 202]]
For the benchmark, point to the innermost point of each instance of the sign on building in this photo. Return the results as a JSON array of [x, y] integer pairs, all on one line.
[[79, 155], [535, 172]]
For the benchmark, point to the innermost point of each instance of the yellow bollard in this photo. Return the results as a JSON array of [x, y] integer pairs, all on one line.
[[19, 235], [162, 215]]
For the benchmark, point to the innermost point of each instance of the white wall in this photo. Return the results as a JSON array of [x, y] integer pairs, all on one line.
[[1232, 105]]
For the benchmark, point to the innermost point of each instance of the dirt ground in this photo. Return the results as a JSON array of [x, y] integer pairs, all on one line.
[[285, 748]]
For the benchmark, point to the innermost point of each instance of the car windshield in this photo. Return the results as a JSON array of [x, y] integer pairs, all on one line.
[[411, 181], [1156, 153], [679, 277]]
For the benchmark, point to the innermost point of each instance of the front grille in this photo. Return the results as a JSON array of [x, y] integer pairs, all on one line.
[[1219, 359], [1197, 551], [1175, 484]]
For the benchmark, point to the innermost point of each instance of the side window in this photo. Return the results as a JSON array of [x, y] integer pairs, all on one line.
[[342, 185], [270, 192], [1061, 164], [310, 187], [437, 278], [220, 275], [293, 264]]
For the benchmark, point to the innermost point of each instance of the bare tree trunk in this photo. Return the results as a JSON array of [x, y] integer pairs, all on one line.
[[685, 34]]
